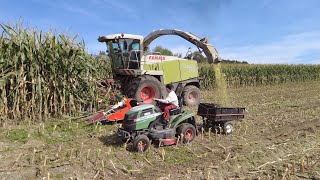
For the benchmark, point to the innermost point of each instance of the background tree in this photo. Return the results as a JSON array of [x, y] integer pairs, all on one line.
[[102, 53], [179, 55], [196, 55], [163, 51], [199, 57]]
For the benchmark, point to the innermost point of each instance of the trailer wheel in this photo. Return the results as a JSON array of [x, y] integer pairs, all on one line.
[[141, 143], [191, 95], [228, 127], [188, 132]]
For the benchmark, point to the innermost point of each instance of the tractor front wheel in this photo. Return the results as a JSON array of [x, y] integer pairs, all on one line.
[[141, 143]]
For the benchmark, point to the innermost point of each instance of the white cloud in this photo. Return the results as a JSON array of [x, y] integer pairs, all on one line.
[[288, 49], [71, 7], [122, 7], [316, 61], [181, 49]]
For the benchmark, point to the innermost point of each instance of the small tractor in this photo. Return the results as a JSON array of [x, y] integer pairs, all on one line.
[[142, 75], [144, 124]]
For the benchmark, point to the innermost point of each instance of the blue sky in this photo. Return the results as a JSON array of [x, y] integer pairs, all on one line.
[[258, 31]]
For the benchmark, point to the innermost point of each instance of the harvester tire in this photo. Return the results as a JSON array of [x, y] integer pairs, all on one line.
[[186, 131], [191, 95], [144, 88], [141, 143]]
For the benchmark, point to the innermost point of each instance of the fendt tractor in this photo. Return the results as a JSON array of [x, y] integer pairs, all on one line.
[[142, 74]]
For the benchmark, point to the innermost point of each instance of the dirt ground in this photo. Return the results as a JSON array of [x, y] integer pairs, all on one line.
[[278, 139]]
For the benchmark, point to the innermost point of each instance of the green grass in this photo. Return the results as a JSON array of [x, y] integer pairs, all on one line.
[[19, 135], [58, 176], [178, 156]]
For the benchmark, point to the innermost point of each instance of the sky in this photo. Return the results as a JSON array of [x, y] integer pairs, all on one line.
[[256, 31]]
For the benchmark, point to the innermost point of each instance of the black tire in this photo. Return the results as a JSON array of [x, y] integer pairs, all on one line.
[[141, 143], [191, 95], [228, 127], [187, 129], [141, 84]]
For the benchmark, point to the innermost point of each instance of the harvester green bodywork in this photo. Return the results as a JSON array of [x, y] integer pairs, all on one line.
[[176, 70]]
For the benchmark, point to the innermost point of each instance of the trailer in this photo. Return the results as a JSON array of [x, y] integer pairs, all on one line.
[[220, 118]]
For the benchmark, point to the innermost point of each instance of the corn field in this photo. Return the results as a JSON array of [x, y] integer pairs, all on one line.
[[241, 75], [45, 74]]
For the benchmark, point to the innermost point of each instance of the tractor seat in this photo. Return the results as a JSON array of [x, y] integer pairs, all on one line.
[[177, 110]]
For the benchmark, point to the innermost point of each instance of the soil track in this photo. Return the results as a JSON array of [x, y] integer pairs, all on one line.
[[278, 139]]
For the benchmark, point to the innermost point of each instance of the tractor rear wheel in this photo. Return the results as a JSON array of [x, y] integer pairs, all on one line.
[[191, 95], [141, 143], [144, 88], [187, 131]]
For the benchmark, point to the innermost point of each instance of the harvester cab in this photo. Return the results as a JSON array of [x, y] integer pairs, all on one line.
[[123, 50], [142, 75]]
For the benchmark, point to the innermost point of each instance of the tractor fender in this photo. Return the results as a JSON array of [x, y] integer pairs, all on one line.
[[185, 117]]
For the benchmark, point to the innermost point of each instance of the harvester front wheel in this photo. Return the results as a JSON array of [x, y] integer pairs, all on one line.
[[141, 143], [191, 95], [144, 88]]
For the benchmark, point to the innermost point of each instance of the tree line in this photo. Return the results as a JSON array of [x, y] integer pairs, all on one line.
[[196, 55]]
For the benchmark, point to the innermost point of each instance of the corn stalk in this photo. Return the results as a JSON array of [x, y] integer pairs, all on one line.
[[45, 74]]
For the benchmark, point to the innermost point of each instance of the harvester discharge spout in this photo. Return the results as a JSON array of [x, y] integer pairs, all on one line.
[[202, 43]]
